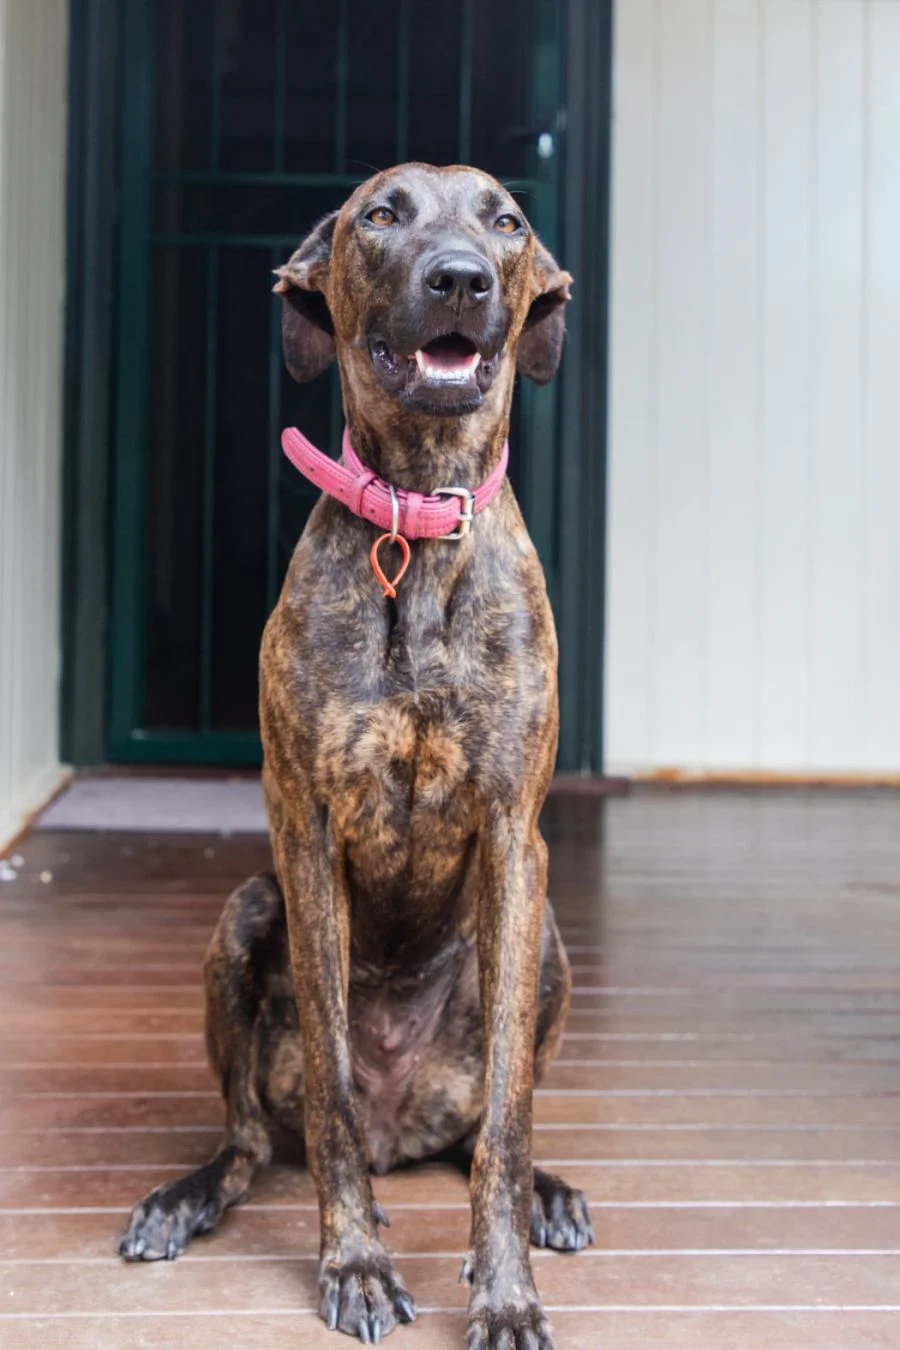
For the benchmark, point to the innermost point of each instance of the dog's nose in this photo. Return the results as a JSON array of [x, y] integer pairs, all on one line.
[[459, 279]]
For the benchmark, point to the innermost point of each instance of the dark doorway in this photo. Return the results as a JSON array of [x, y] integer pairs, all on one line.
[[244, 121]]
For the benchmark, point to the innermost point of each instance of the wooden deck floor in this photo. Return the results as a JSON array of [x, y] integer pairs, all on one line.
[[728, 1092]]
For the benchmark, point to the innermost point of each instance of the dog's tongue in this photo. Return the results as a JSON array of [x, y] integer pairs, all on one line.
[[448, 358]]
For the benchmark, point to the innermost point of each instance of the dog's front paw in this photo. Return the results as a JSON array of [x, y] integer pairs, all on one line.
[[362, 1294], [518, 1324]]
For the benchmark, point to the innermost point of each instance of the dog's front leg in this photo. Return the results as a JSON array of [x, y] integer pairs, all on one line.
[[505, 1312], [360, 1292]]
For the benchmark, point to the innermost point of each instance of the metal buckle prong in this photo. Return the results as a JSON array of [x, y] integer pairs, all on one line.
[[466, 510], [395, 514]]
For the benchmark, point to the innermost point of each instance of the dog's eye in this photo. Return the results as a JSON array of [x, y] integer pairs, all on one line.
[[507, 224], [382, 216]]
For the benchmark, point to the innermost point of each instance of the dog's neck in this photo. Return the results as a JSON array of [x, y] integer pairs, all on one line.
[[423, 453]]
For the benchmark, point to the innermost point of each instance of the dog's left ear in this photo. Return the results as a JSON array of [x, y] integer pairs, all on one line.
[[541, 341], [307, 332]]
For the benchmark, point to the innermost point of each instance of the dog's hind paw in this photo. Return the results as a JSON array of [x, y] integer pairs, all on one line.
[[363, 1295], [559, 1215], [161, 1226]]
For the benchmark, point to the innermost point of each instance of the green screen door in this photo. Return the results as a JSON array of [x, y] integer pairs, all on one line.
[[245, 121]]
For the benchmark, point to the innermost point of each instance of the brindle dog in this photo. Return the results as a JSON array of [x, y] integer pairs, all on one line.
[[399, 984]]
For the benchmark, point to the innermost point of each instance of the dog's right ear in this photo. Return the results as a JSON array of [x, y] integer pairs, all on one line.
[[307, 332], [541, 342]]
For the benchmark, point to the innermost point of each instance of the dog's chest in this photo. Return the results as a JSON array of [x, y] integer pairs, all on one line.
[[430, 717], [392, 764]]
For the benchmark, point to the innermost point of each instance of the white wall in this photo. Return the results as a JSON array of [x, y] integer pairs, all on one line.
[[33, 38], [754, 547]]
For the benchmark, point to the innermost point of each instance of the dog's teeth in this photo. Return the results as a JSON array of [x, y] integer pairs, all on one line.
[[437, 370]]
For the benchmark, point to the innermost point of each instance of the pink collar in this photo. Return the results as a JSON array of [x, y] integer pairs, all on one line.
[[447, 514]]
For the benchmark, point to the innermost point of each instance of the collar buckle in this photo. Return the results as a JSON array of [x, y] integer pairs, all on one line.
[[466, 510]]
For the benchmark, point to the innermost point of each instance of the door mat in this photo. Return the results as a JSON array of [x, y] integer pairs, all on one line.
[[159, 805]]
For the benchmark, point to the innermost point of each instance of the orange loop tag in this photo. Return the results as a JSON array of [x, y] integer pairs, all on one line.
[[389, 587]]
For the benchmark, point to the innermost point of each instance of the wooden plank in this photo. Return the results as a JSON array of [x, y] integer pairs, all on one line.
[[669, 1329], [554, 1145], [290, 1282], [251, 1234], [846, 1181]]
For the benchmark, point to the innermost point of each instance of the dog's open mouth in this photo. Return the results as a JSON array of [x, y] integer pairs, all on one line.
[[447, 374], [448, 358]]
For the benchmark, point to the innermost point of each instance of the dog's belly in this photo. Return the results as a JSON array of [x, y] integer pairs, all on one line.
[[416, 1048], [417, 1060]]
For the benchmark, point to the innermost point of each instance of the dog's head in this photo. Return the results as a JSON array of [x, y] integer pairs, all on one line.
[[431, 288]]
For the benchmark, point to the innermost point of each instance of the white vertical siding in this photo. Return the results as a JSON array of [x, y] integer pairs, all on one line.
[[880, 599], [785, 449], [754, 507], [33, 36]]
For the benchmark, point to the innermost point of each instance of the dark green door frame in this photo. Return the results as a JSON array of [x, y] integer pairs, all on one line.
[[564, 494], [581, 526], [92, 187]]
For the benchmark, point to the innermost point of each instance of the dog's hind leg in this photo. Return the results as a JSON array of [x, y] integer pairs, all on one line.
[[163, 1224], [247, 953], [559, 1213]]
